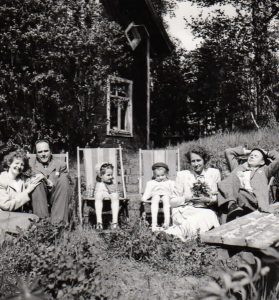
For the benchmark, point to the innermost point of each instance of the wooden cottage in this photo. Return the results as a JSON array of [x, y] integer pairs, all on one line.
[[128, 99]]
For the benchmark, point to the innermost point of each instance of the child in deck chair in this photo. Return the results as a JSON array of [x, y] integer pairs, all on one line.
[[159, 188], [246, 188], [105, 189]]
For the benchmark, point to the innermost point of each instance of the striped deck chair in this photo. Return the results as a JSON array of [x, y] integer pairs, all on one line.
[[61, 156], [90, 157], [146, 159]]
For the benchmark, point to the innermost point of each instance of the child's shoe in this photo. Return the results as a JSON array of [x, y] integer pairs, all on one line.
[[99, 226], [156, 228], [166, 226], [114, 226]]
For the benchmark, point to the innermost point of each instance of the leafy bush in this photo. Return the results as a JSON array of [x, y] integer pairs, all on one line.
[[84, 264], [132, 263], [247, 284], [67, 264], [161, 251], [55, 59]]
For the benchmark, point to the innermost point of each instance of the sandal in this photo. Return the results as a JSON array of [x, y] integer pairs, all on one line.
[[99, 226], [165, 226], [156, 228], [114, 226]]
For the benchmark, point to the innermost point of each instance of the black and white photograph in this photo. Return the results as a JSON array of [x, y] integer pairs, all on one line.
[[139, 149]]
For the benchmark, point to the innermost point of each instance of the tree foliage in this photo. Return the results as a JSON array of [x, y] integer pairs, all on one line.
[[169, 99], [230, 81], [243, 47], [164, 7], [55, 57]]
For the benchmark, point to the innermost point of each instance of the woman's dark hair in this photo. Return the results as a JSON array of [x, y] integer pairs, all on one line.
[[202, 152], [18, 154], [103, 169]]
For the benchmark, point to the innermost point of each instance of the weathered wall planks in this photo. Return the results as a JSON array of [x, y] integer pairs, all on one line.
[[255, 230]]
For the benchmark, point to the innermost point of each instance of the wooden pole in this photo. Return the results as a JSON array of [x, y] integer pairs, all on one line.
[[148, 89], [134, 43], [79, 188]]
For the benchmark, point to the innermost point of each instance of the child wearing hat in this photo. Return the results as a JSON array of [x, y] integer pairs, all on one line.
[[246, 188], [160, 188]]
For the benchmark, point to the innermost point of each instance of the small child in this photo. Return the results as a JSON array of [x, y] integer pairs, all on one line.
[[159, 188], [105, 190]]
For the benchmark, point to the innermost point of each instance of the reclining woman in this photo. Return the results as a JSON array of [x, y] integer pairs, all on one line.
[[246, 188], [196, 193], [15, 192]]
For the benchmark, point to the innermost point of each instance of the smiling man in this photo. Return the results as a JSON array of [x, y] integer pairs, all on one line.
[[51, 197], [246, 188]]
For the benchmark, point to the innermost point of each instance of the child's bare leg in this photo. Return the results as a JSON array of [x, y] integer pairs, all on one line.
[[114, 207], [154, 210], [166, 208], [99, 207]]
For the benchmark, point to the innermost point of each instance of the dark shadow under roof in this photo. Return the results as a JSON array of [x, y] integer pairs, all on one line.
[[141, 12]]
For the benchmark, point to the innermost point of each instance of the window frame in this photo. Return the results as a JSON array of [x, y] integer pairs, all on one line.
[[119, 132]]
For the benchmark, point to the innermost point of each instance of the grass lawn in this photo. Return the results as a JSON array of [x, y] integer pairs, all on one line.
[[55, 262]]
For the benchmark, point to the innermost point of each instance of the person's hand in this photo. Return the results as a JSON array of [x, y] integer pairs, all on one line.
[[246, 151], [49, 183], [208, 201], [37, 178], [203, 200], [186, 200], [34, 182], [31, 186]]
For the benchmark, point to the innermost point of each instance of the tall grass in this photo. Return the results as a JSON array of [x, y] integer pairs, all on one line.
[[267, 138], [248, 282]]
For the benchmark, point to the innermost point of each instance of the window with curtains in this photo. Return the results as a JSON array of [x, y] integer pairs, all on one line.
[[119, 106]]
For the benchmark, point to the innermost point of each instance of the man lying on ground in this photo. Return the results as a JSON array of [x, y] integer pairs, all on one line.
[[246, 188]]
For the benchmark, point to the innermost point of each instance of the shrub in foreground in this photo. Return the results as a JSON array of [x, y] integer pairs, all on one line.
[[161, 251], [89, 265], [67, 264]]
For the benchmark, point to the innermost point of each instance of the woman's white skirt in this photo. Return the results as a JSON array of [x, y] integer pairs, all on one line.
[[189, 221]]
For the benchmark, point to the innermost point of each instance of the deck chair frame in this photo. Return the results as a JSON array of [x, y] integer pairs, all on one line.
[[168, 156], [100, 157], [61, 156]]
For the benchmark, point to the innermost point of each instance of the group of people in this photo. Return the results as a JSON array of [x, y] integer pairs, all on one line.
[[200, 200], [46, 188]]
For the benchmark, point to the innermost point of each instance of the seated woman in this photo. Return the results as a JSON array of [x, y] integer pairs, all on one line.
[[196, 193], [15, 192], [246, 188]]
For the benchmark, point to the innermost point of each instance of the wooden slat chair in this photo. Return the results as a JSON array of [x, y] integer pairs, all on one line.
[[91, 157], [61, 156], [146, 159]]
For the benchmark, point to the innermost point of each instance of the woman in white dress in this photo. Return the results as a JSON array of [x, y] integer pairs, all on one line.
[[196, 193]]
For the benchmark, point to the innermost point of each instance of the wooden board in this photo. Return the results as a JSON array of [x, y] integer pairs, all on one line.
[[255, 230]]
